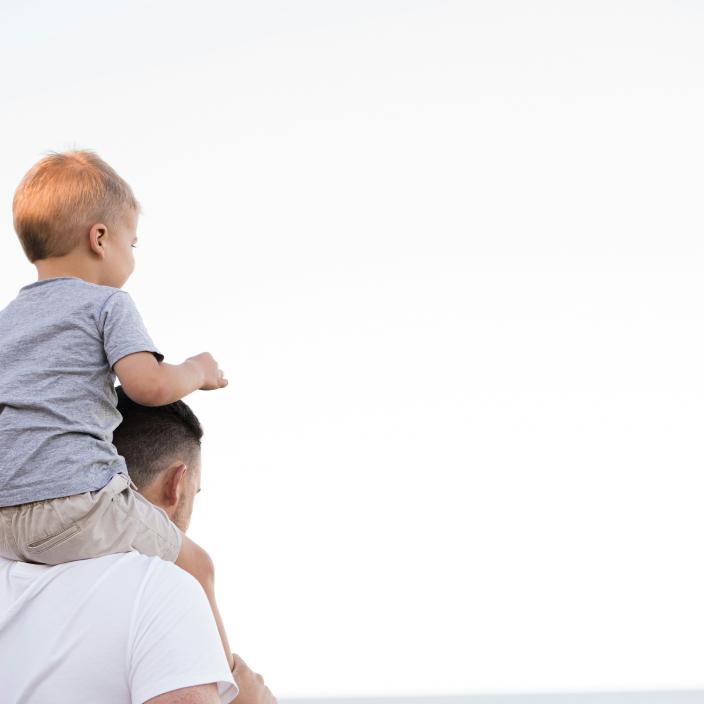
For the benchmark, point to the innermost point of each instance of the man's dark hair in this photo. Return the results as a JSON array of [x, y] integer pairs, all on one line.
[[150, 437]]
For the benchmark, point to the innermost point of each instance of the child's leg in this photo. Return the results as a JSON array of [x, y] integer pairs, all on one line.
[[69, 528], [198, 563]]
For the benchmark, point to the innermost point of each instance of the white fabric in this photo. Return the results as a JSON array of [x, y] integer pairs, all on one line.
[[116, 630]]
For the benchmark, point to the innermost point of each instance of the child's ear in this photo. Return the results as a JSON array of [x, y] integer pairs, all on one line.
[[96, 239]]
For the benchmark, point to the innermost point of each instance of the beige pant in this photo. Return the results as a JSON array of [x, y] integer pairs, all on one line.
[[115, 519]]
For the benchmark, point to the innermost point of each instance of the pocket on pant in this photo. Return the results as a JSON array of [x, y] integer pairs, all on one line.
[[51, 541]]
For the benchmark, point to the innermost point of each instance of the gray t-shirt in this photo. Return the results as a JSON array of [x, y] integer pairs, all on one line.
[[59, 340]]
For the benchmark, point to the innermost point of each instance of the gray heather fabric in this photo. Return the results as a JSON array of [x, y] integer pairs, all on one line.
[[59, 340]]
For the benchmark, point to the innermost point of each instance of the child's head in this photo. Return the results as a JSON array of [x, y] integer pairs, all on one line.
[[73, 204]]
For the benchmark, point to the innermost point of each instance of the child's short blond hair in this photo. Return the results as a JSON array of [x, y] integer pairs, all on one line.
[[63, 195]]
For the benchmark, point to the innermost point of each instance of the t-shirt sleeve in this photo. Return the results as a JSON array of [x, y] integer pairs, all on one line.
[[174, 640], [123, 329]]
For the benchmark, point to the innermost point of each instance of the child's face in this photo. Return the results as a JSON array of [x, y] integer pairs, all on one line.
[[120, 255]]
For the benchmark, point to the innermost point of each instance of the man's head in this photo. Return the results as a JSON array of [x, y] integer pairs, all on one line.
[[161, 445], [72, 205]]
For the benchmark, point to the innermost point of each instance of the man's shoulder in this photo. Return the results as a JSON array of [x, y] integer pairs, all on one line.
[[156, 585], [140, 584], [152, 571], [159, 572], [132, 567], [164, 586], [143, 607]]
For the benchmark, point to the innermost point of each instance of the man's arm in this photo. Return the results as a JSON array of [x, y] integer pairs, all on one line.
[[174, 642], [251, 685], [203, 694]]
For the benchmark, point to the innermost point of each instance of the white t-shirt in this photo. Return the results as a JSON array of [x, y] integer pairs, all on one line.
[[116, 630]]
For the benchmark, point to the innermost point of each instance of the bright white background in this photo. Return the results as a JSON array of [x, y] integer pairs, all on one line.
[[450, 255]]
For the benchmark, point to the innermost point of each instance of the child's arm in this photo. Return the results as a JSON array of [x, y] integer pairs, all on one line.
[[152, 383]]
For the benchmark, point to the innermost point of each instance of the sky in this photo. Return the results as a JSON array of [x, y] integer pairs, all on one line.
[[449, 256]]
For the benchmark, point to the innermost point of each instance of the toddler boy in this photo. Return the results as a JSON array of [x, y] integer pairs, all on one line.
[[65, 493]]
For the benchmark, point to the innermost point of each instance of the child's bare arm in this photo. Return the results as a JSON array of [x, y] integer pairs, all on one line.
[[152, 383]]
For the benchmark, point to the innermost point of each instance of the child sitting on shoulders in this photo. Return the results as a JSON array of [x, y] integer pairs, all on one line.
[[65, 493]]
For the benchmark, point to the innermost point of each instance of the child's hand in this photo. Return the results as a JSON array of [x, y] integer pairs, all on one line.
[[213, 376]]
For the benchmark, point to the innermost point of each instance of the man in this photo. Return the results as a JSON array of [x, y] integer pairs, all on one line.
[[123, 628]]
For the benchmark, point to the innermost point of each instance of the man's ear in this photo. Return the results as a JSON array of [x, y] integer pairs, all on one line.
[[173, 483], [96, 239]]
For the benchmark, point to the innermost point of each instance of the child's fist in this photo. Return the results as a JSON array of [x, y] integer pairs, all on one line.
[[213, 377]]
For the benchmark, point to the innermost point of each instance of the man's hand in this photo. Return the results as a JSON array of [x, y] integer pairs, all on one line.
[[251, 684]]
